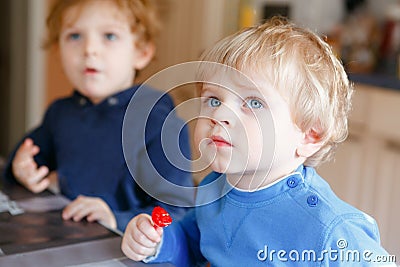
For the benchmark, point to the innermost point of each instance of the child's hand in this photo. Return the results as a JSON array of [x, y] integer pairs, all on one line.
[[53, 185], [141, 238], [26, 170], [93, 208]]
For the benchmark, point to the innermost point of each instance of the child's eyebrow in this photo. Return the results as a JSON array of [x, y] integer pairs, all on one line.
[[255, 91], [209, 87], [69, 25], [206, 90], [114, 25]]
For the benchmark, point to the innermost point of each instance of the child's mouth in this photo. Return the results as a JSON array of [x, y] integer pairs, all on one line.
[[220, 142], [90, 71]]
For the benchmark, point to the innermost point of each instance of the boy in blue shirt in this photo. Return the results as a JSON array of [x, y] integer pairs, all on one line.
[[274, 104], [102, 44]]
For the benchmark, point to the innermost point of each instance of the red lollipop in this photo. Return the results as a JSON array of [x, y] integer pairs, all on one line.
[[160, 217]]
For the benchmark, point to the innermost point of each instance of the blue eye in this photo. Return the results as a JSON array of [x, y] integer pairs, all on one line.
[[111, 36], [74, 36], [213, 102], [254, 103]]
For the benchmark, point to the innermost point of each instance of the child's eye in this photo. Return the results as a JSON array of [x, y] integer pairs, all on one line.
[[74, 36], [111, 36], [213, 102], [254, 103]]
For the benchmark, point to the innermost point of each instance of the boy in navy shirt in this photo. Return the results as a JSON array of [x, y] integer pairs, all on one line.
[[274, 104], [102, 44]]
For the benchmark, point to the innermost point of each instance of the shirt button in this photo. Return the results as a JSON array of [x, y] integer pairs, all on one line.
[[312, 200], [82, 101], [292, 182], [112, 101]]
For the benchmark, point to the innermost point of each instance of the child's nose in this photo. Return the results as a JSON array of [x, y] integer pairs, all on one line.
[[91, 47], [225, 116], [223, 122]]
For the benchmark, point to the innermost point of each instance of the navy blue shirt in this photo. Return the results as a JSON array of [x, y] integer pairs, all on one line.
[[83, 143]]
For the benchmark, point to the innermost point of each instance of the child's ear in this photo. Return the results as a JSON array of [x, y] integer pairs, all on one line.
[[310, 144], [145, 53]]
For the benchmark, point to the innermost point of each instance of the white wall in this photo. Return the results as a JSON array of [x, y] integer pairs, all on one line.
[[35, 95], [380, 8]]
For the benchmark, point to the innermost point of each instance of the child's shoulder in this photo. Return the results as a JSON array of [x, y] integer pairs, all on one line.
[[62, 102], [325, 197], [328, 210], [143, 92]]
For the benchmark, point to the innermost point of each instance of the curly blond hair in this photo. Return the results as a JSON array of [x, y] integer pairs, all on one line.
[[305, 71]]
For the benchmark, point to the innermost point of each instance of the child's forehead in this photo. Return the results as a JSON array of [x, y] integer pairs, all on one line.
[[238, 82], [106, 8]]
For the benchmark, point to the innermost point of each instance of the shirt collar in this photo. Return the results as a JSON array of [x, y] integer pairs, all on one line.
[[119, 99], [289, 182]]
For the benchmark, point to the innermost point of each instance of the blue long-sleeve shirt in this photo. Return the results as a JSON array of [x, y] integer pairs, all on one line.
[[298, 221], [83, 143]]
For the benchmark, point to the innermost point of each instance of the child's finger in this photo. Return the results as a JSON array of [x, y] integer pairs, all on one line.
[[145, 227], [143, 239], [28, 142], [21, 163], [80, 214], [95, 216], [23, 171], [34, 180], [39, 187], [136, 249], [128, 247], [160, 230], [27, 149], [72, 209], [83, 207], [37, 175], [97, 212], [27, 165]]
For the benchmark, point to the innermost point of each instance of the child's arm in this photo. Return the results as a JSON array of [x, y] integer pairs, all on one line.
[[150, 174], [141, 238], [180, 243], [356, 242], [26, 170], [34, 154]]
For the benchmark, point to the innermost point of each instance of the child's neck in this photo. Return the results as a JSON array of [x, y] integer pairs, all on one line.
[[99, 99], [256, 180]]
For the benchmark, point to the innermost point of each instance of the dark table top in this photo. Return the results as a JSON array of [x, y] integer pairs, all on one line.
[[31, 231], [45, 239]]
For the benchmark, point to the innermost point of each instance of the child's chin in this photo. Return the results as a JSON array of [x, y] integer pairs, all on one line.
[[220, 167]]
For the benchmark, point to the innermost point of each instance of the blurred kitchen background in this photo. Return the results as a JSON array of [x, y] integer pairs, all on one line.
[[365, 34]]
